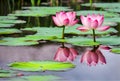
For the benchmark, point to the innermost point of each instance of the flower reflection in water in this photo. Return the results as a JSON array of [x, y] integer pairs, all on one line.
[[65, 54], [94, 56]]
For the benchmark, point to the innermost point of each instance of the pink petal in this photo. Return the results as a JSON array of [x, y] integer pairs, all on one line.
[[103, 28], [83, 29], [86, 57], [66, 51], [66, 22], [70, 58], [61, 54], [104, 47], [73, 52], [56, 21], [100, 21], [94, 58], [94, 24], [73, 22], [101, 58]]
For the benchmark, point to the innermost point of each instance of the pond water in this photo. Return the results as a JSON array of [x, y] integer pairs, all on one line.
[[109, 71], [14, 48]]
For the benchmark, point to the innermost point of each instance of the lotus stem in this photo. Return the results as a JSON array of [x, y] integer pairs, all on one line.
[[94, 36], [90, 1], [63, 31]]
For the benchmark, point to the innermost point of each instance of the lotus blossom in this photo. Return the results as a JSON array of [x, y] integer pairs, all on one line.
[[65, 54], [93, 57], [93, 21], [65, 18]]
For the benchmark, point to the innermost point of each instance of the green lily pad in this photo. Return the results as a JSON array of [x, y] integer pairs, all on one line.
[[41, 66], [82, 41], [37, 78], [104, 5], [12, 21], [46, 32], [9, 31], [9, 21], [6, 25], [6, 73], [109, 40], [21, 41], [115, 50], [73, 30], [85, 41], [114, 19], [8, 17], [38, 37], [105, 13], [39, 11], [117, 10]]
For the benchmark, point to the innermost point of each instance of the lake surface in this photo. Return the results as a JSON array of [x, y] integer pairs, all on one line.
[[83, 72]]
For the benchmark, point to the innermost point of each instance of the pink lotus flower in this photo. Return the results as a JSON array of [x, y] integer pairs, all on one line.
[[65, 54], [65, 18], [93, 57], [93, 21]]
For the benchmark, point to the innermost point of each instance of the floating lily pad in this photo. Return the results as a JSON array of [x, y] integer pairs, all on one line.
[[39, 11], [73, 30], [113, 10], [110, 40], [9, 31], [57, 32], [21, 41], [7, 17], [6, 73], [105, 13], [82, 41], [115, 50], [6, 25], [37, 78], [85, 41], [12, 21], [114, 19], [41, 66], [9, 21], [38, 37], [47, 32], [104, 5]]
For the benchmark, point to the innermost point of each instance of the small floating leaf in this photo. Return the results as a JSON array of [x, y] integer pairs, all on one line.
[[115, 50], [41, 66], [37, 78], [6, 73]]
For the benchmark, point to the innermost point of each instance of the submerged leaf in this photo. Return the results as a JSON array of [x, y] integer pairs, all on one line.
[[41, 66]]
